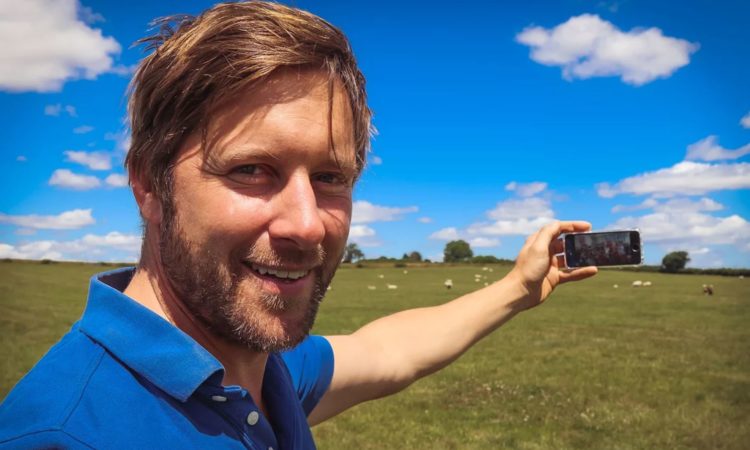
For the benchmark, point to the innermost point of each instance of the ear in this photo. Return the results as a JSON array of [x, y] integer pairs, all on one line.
[[148, 202]]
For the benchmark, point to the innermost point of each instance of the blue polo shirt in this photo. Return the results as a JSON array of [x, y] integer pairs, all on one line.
[[123, 377]]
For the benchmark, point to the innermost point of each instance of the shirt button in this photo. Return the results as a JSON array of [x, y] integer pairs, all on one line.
[[252, 418], [218, 398]]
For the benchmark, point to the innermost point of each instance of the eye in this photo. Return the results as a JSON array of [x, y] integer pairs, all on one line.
[[332, 182], [250, 174]]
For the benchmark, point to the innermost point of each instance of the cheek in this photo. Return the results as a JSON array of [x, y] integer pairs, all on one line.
[[219, 217]]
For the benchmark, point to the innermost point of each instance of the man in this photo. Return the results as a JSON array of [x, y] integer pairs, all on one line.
[[249, 129]]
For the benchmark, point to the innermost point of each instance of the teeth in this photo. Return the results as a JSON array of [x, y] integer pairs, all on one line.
[[286, 274]]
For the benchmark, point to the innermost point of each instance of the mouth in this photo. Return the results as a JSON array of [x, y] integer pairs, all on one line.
[[278, 274]]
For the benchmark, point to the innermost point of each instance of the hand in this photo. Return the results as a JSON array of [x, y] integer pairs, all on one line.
[[537, 268]]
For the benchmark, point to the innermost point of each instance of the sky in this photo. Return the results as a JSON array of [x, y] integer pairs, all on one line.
[[493, 118]]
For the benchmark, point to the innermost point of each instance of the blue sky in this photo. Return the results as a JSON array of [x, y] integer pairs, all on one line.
[[493, 119]]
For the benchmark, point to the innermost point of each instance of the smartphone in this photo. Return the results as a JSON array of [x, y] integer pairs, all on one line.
[[603, 248]]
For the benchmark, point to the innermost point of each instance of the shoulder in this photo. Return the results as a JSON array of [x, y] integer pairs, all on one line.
[[41, 403]]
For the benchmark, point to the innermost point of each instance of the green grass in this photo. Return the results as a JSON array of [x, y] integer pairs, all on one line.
[[594, 367]]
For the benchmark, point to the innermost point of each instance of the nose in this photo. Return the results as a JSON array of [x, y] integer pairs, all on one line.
[[298, 220]]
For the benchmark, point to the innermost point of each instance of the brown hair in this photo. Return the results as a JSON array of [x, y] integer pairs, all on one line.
[[210, 58]]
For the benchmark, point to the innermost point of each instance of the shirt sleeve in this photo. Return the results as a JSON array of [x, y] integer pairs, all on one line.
[[310, 365]]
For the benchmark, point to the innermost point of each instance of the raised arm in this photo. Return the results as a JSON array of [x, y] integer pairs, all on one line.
[[390, 353]]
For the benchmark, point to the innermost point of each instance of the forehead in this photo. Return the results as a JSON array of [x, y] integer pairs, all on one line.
[[295, 108]]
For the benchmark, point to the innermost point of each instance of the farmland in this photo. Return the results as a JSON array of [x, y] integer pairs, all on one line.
[[594, 367]]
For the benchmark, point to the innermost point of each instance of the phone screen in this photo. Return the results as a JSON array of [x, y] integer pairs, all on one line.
[[606, 248]]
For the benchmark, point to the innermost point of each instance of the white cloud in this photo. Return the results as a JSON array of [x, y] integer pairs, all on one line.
[[83, 129], [586, 46], [521, 227], [684, 178], [745, 121], [52, 110], [364, 236], [117, 180], [708, 149], [122, 139], [673, 205], [91, 247], [69, 180], [521, 209], [376, 160], [21, 158], [366, 212], [92, 160], [424, 220], [483, 242], [446, 234], [51, 45], [689, 229], [68, 220], [526, 189], [56, 109]]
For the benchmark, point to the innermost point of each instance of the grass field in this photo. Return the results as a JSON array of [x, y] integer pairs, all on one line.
[[593, 368]]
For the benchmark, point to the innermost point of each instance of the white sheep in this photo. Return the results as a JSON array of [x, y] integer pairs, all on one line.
[[371, 287], [391, 286], [615, 286], [646, 283], [405, 272], [381, 276], [637, 283], [448, 283]]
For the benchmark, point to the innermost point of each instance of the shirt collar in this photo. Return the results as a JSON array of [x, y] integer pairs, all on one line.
[[143, 341]]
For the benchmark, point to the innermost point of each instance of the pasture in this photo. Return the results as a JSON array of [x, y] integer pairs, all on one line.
[[594, 367]]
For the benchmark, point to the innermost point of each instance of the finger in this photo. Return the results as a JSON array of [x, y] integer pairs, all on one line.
[[556, 228], [578, 274], [556, 247], [560, 260]]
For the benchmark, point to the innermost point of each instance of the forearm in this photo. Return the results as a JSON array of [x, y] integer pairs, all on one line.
[[418, 342]]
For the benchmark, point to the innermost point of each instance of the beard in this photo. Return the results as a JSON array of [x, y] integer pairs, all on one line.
[[230, 303]]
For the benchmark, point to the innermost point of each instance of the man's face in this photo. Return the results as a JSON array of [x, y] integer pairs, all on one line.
[[261, 215]]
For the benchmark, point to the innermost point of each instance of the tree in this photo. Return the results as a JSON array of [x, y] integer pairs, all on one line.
[[414, 256], [352, 253], [457, 251], [674, 262]]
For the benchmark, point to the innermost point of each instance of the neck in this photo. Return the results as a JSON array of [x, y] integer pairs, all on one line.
[[151, 288]]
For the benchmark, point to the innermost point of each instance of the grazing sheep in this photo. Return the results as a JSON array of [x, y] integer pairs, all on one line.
[[490, 269], [371, 287], [391, 286], [405, 272], [485, 269], [708, 289], [381, 276], [637, 283], [486, 284], [448, 283], [615, 286], [646, 283]]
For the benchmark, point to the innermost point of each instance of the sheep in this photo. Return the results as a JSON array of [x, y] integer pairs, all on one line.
[[381, 276], [391, 286], [615, 286], [708, 289], [371, 287], [646, 283], [637, 283], [448, 283], [405, 272]]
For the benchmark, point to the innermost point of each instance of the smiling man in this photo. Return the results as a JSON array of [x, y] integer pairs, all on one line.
[[249, 130]]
